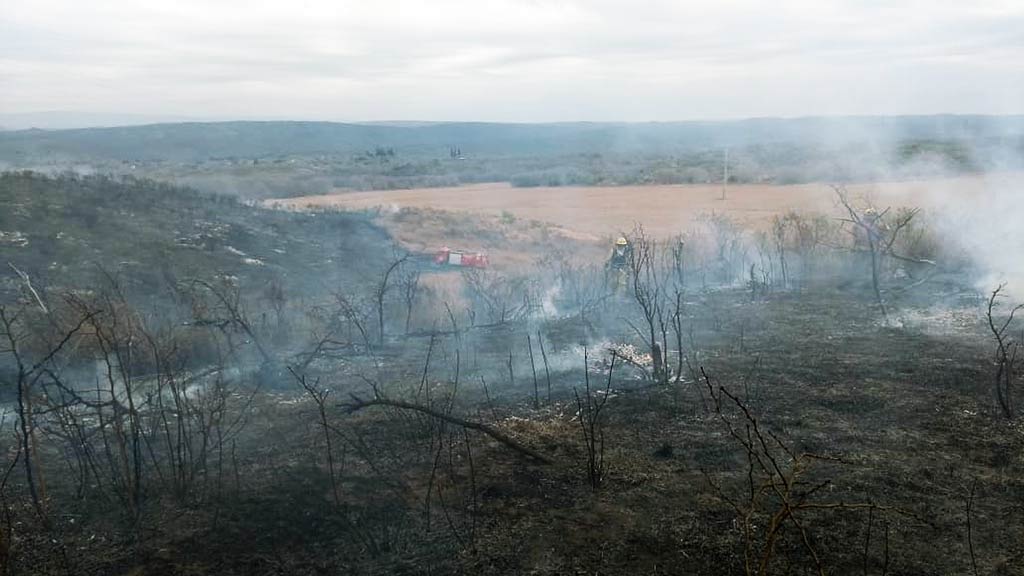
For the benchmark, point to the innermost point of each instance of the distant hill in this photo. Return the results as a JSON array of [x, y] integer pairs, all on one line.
[[198, 141], [64, 120]]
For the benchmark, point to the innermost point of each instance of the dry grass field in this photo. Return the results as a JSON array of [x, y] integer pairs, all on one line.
[[663, 210]]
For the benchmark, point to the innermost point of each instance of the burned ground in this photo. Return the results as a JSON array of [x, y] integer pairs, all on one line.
[[73, 230], [883, 426], [907, 412]]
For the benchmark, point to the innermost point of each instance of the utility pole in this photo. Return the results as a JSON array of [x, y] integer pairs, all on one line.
[[725, 172]]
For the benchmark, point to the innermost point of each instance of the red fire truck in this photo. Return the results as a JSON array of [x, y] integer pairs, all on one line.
[[448, 257]]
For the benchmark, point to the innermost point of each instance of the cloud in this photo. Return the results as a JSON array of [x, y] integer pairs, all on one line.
[[511, 59]]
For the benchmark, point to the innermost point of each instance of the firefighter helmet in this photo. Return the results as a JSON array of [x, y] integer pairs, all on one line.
[[621, 241]]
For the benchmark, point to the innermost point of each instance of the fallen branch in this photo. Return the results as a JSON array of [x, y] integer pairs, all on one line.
[[28, 285], [359, 404]]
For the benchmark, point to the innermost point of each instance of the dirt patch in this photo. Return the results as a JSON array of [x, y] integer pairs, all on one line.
[[511, 243]]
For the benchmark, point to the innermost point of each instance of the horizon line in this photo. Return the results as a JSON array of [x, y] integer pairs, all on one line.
[[173, 120]]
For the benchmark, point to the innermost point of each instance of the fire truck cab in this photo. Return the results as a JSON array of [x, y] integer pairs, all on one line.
[[448, 257]]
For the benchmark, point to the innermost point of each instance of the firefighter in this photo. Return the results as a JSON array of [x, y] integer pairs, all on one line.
[[618, 264], [873, 226], [621, 253]]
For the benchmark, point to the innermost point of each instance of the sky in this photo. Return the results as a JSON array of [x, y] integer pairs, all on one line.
[[510, 60]]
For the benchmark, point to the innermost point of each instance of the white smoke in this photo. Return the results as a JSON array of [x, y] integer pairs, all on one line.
[[987, 222]]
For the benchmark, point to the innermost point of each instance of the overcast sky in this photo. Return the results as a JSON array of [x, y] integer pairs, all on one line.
[[511, 60]]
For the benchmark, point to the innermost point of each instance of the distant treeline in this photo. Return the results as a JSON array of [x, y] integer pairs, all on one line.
[[779, 164], [275, 159]]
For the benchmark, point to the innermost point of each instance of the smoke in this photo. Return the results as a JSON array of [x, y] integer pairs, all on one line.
[[549, 298], [967, 176], [597, 357], [987, 224]]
